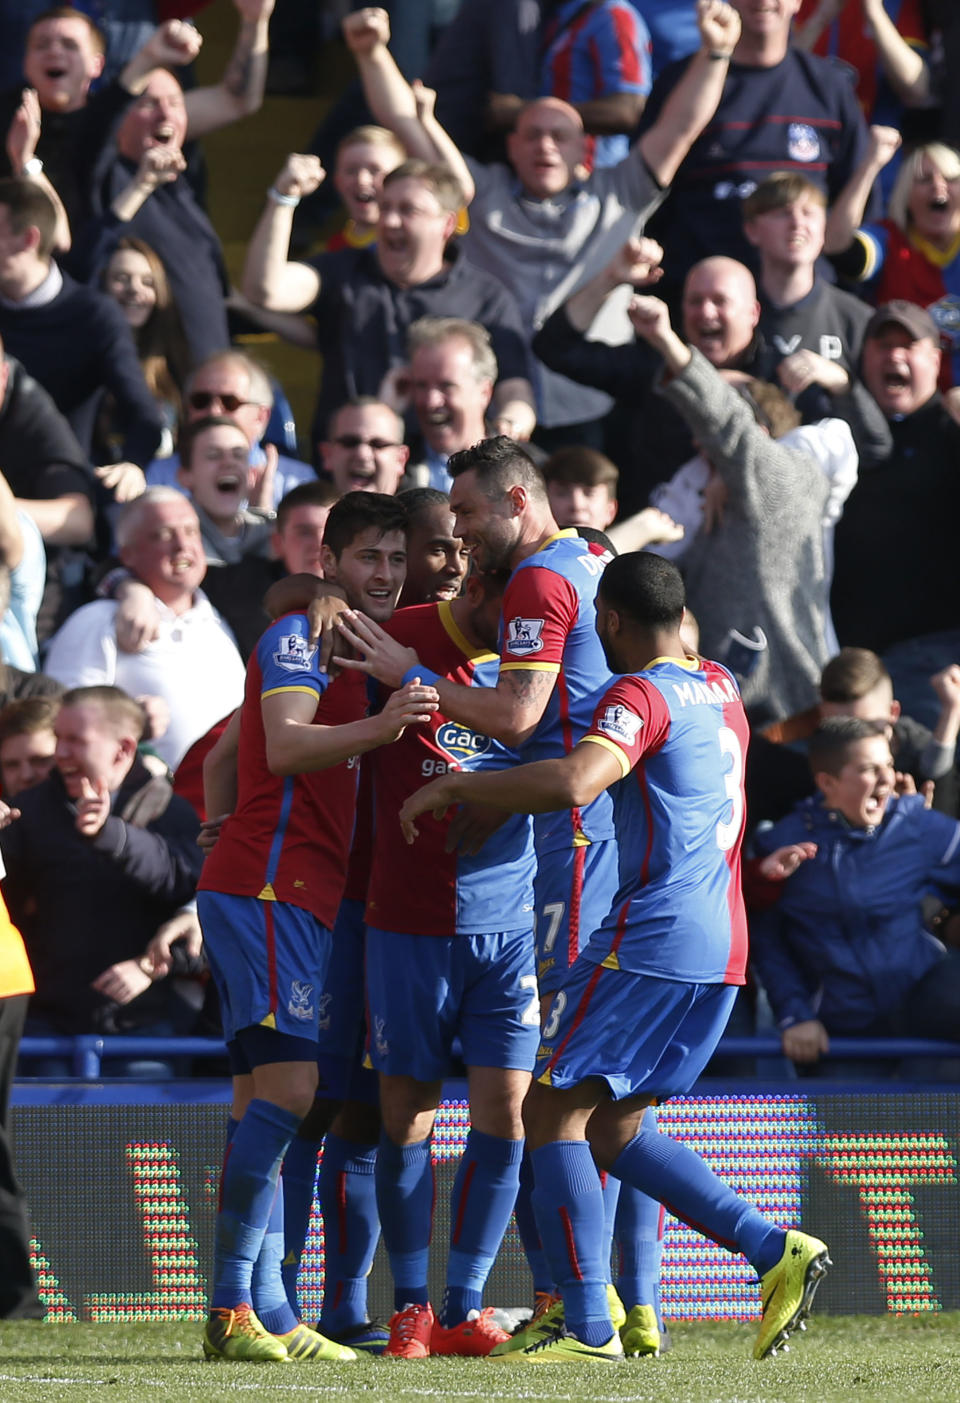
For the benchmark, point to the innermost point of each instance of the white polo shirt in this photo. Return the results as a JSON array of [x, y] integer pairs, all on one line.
[[193, 664]]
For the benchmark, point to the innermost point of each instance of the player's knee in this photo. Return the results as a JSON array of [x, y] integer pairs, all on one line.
[[291, 1085], [319, 1118], [358, 1121], [497, 1108], [610, 1130], [407, 1109], [539, 1116]]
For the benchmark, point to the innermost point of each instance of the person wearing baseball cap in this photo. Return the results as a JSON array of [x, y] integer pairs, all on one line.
[[894, 584]]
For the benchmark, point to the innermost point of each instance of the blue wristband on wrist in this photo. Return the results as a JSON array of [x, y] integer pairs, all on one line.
[[430, 679]]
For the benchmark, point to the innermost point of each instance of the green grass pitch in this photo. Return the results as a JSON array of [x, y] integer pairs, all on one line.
[[873, 1359]]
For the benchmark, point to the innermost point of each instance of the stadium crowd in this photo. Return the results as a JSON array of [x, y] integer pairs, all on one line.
[[689, 273]]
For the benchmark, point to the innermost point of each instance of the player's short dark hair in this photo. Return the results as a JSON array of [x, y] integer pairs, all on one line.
[[577, 463], [316, 493], [29, 204], [779, 190], [499, 464], [123, 713], [356, 512], [419, 499], [439, 179], [829, 746], [646, 588], [27, 715], [596, 537], [71, 12], [191, 430], [852, 674]]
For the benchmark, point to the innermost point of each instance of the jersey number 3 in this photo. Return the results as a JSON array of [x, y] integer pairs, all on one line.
[[728, 829]]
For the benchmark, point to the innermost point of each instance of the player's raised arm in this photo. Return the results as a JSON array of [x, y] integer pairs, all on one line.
[[509, 712], [543, 787], [294, 745]]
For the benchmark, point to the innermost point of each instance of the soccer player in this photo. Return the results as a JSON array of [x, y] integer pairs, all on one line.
[[641, 1011], [552, 673], [449, 954], [345, 1114], [268, 897]]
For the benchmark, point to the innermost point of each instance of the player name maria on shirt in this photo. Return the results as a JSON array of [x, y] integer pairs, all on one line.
[[694, 693]]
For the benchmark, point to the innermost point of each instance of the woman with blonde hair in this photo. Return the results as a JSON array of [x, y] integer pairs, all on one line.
[[914, 253]]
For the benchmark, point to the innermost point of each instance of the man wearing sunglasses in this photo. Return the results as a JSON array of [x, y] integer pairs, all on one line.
[[234, 386], [364, 450]]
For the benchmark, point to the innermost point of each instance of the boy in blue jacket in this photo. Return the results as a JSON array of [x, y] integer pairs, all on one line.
[[845, 950]]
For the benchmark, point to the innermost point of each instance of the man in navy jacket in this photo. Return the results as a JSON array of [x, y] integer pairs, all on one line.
[[98, 858]]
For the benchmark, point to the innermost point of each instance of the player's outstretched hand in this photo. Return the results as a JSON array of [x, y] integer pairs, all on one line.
[[322, 615], [7, 815], [783, 862], [210, 832], [437, 796], [412, 705], [157, 960], [380, 656]]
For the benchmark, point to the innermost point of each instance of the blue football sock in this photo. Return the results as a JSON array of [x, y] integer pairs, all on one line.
[[251, 1171], [526, 1221], [638, 1234], [679, 1179], [269, 1296], [639, 1242], [404, 1179], [299, 1178], [483, 1196], [610, 1188], [568, 1202], [351, 1230]]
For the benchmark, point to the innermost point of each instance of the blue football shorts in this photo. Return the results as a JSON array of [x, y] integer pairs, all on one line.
[[643, 1035], [424, 990], [269, 962], [343, 1022]]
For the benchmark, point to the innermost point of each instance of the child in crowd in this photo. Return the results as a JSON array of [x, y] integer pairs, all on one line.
[[215, 470]]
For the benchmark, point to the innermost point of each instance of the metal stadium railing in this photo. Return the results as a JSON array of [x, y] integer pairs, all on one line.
[[87, 1053]]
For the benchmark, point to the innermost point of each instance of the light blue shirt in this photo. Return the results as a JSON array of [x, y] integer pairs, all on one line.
[[162, 472], [18, 627]]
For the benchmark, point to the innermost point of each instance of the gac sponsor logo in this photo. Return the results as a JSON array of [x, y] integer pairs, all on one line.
[[461, 744]]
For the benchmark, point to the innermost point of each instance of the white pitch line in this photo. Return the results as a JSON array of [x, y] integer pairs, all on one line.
[[318, 1388]]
